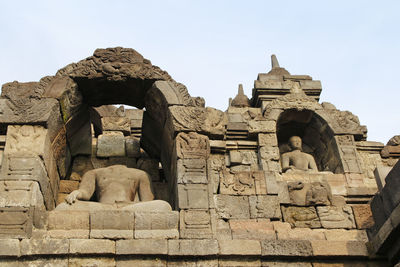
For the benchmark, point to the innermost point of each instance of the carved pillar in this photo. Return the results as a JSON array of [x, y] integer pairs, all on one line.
[[193, 188]]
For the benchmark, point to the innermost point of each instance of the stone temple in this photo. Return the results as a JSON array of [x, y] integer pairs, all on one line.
[[278, 179]]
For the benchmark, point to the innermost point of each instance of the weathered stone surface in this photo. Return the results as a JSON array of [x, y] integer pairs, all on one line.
[[156, 224], [264, 207], [16, 222], [79, 132], [113, 224], [309, 194], [9, 247], [252, 229], [68, 234], [300, 234], [239, 183], [142, 261], [111, 144], [91, 246], [68, 220], [193, 196], [339, 248], [232, 207], [112, 219], [261, 126], [199, 119], [28, 167], [192, 171], [268, 263], [267, 139], [301, 217], [286, 248], [195, 224], [80, 261], [363, 216], [172, 262], [239, 261], [336, 217], [142, 246], [196, 247], [120, 124], [156, 220], [67, 186], [239, 247], [192, 145], [132, 146], [346, 235], [380, 174], [27, 138], [215, 165], [20, 194], [25, 110], [44, 246], [221, 229], [267, 153]]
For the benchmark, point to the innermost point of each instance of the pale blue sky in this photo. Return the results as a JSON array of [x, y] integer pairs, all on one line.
[[353, 47]]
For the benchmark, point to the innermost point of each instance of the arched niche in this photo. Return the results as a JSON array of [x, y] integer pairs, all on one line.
[[317, 136], [120, 76]]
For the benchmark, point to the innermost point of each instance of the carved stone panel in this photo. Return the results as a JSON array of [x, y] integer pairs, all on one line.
[[193, 196], [348, 153], [25, 167], [232, 207], [192, 145], [267, 207], [192, 171], [16, 222], [116, 124], [27, 138], [240, 183], [309, 194], [215, 165], [195, 224], [301, 217], [21, 194], [336, 217]]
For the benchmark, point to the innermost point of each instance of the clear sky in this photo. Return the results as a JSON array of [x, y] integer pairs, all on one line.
[[353, 47]]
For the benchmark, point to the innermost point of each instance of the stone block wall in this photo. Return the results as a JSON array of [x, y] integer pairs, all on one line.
[[220, 171]]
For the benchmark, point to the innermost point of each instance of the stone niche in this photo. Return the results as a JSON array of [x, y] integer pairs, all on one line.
[[221, 197], [317, 138]]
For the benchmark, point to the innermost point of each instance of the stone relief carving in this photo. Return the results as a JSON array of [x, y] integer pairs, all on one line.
[[192, 145], [309, 194], [240, 183]]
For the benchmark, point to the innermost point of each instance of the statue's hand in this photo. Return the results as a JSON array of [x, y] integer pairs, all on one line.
[[73, 196]]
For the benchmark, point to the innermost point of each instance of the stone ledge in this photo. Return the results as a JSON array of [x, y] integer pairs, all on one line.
[[339, 248], [239, 247], [142, 247], [286, 248], [193, 247], [91, 246], [44, 246], [9, 247]]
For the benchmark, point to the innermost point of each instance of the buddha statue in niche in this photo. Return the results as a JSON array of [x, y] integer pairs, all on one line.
[[297, 160], [115, 188]]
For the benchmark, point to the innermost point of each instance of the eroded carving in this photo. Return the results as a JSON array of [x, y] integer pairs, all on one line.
[[192, 145], [116, 188], [296, 160]]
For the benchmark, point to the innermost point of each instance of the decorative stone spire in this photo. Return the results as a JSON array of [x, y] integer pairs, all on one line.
[[240, 100], [276, 69], [274, 62]]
